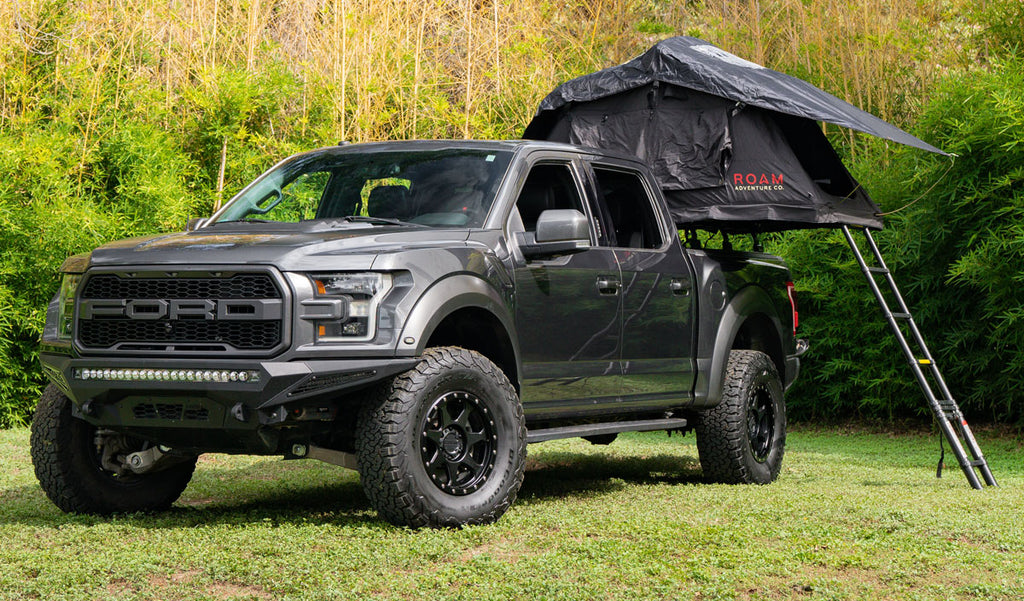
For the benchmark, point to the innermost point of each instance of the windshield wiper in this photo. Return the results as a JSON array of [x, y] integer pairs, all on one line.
[[375, 220], [246, 220]]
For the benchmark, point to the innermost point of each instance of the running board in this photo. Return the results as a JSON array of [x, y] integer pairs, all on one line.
[[646, 425]]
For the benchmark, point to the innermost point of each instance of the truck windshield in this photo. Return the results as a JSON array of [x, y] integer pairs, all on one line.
[[440, 188]]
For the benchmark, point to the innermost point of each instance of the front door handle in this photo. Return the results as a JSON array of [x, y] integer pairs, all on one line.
[[606, 285], [680, 287]]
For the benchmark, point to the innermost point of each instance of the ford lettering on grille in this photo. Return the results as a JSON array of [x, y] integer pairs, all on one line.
[[182, 309], [122, 312]]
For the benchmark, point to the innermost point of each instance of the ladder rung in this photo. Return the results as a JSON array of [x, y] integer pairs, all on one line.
[[924, 362], [901, 315], [878, 270], [978, 463]]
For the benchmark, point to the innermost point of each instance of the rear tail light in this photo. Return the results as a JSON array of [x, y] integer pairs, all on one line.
[[791, 292]]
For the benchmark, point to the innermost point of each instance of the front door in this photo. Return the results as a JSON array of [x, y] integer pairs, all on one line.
[[568, 308]]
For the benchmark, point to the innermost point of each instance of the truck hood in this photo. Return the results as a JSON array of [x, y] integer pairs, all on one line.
[[286, 246]]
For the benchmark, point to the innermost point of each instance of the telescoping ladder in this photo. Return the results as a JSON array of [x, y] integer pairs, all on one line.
[[951, 420]]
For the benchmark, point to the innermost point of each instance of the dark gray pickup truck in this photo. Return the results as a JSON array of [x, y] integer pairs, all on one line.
[[418, 311]]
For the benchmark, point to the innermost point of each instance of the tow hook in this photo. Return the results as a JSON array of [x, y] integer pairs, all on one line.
[[113, 455], [141, 462]]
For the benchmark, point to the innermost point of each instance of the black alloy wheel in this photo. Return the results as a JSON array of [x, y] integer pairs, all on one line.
[[760, 423], [459, 443]]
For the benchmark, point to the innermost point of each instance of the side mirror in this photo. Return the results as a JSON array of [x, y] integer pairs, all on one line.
[[563, 225], [194, 224], [559, 232]]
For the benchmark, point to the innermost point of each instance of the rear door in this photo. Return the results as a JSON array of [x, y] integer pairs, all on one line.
[[568, 308], [657, 295]]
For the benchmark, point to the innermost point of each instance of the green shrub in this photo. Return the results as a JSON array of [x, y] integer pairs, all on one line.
[[955, 242]]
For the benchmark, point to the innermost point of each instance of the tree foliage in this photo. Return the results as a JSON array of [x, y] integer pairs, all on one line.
[[954, 240]]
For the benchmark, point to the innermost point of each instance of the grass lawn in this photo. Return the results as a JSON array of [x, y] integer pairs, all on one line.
[[854, 515]]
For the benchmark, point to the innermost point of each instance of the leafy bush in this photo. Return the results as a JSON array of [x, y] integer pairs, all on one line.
[[955, 242]]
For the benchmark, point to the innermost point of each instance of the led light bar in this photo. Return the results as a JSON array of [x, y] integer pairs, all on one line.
[[167, 375]]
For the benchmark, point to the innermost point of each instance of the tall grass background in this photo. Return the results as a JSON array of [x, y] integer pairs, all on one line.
[[122, 118]]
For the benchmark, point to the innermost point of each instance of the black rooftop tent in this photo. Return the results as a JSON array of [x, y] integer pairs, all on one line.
[[734, 145]]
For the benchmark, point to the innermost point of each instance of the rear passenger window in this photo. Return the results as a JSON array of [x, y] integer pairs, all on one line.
[[549, 186], [628, 209]]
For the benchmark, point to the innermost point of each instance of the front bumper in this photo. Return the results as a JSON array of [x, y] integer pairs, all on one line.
[[232, 416]]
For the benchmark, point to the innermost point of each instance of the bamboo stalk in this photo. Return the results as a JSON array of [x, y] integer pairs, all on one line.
[[416, 72], [469, 66], [497, 50], [220, 175]]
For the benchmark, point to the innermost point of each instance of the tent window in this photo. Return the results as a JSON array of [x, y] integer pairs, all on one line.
[[628, 207]]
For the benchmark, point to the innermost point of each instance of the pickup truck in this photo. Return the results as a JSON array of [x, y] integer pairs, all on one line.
[[419, 311]]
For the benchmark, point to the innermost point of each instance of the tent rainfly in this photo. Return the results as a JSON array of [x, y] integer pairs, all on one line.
[[733, 145]]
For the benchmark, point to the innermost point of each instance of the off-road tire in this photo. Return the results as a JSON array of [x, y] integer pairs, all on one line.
[[742, 439], [68, 468], [397, 456]]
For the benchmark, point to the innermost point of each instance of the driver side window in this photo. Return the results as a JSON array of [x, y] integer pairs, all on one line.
[[548, 186]]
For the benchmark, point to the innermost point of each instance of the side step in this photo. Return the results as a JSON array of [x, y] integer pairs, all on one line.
[[645, 425]]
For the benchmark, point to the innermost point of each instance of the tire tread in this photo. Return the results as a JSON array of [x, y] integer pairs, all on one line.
[[721, 431], [383, 461]]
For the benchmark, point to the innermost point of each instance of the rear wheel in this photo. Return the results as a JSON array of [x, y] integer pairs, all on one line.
[[443, 444], [742, 439], [73, 461]]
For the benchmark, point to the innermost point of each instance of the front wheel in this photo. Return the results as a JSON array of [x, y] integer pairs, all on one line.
[[72, 461], [443, 444], [743, 438]]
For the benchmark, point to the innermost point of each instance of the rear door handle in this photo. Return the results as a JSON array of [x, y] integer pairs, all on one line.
[[680, 287], [606, 285]]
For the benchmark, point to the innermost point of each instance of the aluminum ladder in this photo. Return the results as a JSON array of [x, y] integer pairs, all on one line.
[[947, 412]]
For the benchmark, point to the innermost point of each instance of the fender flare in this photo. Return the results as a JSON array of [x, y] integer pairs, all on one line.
[[446, 296], [750, 301]]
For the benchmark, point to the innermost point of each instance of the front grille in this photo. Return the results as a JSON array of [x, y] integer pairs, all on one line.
[[243, 335], [224, 323], [247, 285]]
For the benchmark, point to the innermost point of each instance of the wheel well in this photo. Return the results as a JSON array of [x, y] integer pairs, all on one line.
[[758, 333], [478, 330]]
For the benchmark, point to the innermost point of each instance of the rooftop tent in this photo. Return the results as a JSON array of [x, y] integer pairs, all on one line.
[[734, 145]]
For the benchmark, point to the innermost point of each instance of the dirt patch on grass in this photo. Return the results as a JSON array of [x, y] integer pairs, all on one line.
[[217, 589], [509, 550], [533, 464], [118, 587], [823, 581], [197, 502]]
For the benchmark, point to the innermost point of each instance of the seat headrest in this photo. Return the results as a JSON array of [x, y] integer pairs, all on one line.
[[388, 201]]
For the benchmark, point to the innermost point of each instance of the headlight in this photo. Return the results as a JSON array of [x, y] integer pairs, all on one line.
[[362, 293], [66, 306]]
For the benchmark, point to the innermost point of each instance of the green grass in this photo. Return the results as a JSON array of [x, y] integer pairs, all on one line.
[[854, 515]]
